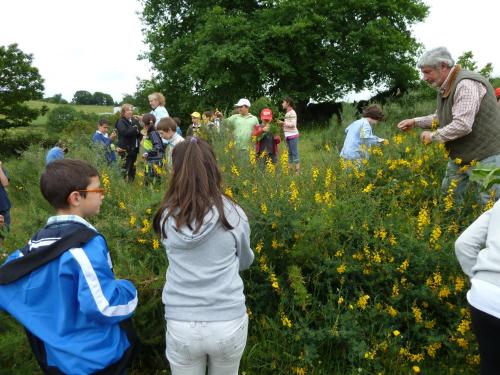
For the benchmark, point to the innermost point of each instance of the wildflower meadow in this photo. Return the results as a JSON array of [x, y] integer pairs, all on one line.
[[354, 271]]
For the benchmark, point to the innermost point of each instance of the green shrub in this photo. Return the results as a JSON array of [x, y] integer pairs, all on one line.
[[65, 117], [13, 141]]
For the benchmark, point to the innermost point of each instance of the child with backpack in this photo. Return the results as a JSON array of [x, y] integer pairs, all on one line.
[[61, 285], [154, 151]]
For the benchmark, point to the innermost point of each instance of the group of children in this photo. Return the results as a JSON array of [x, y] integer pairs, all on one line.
[[159, 138]]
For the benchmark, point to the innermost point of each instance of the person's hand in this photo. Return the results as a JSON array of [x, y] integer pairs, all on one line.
[[426, 137], [113, 135], [406, 124], [266, 128], [2, 220], [280, 122]]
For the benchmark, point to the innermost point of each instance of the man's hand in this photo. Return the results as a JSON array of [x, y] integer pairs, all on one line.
[[426, 137], [406, 124]]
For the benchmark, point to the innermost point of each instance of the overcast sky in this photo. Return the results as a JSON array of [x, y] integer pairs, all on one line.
[[93, 45]]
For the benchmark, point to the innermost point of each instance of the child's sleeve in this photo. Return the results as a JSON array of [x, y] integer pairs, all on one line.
[[367, 136], [257, 130], [241, 232], [100, 295], [474, 239]]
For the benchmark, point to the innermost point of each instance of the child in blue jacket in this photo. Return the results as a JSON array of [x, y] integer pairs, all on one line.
[[61, 286], [359, 135]]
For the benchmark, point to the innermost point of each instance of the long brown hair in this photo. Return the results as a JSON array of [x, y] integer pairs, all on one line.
[[195, 187]]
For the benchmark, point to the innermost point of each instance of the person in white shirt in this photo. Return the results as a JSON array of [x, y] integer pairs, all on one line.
[[478, 252]]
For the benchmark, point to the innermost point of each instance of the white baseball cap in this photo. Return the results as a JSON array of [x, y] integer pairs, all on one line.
[[243, 102]]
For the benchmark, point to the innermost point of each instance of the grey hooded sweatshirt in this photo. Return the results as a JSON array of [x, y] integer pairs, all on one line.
[[203, 281]]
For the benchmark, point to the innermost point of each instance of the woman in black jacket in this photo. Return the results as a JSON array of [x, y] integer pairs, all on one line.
[[129, 138]]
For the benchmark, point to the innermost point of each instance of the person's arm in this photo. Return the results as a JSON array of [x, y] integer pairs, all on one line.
[[4, 180], [424, 122], [474, 238], [257, 130], [367, 136], [100, 295], [466, 103], [241, 233]]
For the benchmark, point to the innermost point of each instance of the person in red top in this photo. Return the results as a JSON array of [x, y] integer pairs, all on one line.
[[266, 145], [497, 94]]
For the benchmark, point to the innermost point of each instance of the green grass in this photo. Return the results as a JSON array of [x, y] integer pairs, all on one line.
[[42, 120]]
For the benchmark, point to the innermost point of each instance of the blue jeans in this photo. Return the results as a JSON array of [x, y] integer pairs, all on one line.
[[462, 178], [293, 150]]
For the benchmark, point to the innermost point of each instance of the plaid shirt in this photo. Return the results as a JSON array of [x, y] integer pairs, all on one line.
[[74, 218], [466, 102]]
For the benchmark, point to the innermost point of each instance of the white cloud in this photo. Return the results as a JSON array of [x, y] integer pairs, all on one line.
[[79, 45]]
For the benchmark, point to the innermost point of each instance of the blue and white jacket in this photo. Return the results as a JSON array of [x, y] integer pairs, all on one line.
[[73, 303]]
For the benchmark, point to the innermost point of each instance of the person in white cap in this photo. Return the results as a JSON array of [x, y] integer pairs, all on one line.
[[242, 123]]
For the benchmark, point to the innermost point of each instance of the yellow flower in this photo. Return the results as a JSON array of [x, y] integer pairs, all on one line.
[[416, 369], [392, 311], [263, 208], [340, 301], [285, 321], [315, 173], [228, 192], [368, 188], [156, 244], [133, 220], [234, 170], [363, 301], [341, 269], [423, 220], [458, 161], [121, 205], [396, 333], [417, 313], [464, 326]]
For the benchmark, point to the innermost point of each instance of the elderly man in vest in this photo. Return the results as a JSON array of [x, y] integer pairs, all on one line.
[[467, 116]]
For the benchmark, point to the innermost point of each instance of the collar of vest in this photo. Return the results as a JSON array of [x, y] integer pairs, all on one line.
[[446, 89]]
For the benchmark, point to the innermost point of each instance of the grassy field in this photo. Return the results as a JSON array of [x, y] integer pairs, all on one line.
[[42, 120]]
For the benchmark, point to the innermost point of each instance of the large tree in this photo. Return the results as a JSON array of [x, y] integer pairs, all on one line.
[[211, 52], [19, 82]]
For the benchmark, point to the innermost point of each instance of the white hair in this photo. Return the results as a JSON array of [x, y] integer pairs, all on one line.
[[435, 57]]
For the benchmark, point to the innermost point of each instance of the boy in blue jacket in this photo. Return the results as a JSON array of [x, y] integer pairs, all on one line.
[[61, 286]]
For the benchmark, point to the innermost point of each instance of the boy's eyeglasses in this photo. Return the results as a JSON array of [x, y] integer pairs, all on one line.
[[97, 190]]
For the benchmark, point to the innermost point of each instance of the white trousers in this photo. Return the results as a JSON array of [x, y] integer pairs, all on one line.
[[192, 347]]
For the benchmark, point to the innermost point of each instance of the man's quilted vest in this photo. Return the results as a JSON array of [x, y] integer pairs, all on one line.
[[484, 140]]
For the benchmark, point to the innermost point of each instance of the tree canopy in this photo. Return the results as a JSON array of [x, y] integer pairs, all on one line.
[[215, 51], [19, 82], [97, 98]]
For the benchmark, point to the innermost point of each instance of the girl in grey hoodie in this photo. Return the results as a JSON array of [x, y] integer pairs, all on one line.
[[207, 239]]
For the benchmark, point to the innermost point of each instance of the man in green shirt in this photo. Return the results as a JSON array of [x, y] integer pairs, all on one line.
[[242, 123]]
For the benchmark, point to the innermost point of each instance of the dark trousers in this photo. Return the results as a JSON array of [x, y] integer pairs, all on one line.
[[487, 330], [128, 167]]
